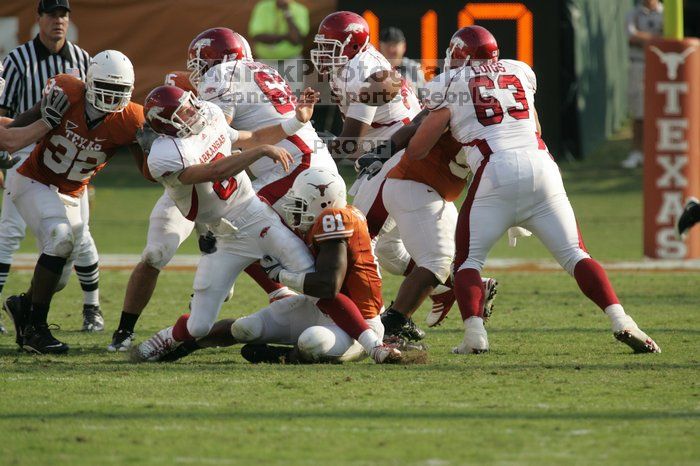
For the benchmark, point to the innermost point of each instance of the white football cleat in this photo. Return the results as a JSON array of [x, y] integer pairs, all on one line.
[[626, 330], [475, 340], [386, 354], [155, 347], [442, 303]]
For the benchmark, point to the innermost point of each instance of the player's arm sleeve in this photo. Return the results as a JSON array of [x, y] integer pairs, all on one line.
[[362, 112], [165, 162], [333, 224], [219, 90]]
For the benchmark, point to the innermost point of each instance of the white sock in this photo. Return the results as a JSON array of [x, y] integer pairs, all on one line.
[[615, 311], [368, 339], [91, 297], [474, 321]]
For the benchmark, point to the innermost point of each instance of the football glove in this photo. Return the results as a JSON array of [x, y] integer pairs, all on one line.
[[689, 217], [272, 267], [145, 137], [371, 162], [54, 104], [207, 243], [7, 161]]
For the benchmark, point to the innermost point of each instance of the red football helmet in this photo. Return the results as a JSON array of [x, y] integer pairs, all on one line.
[[341, 36], [174, 112], [471, 43], [214, 46]]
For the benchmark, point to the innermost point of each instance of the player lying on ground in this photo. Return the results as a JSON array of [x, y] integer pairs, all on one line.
[[488, 105], [49, 184], [408, 213], [324, 324]]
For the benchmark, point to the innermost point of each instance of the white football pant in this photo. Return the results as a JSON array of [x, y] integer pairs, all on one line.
[[261, 233], [297, 321], [518, 188]]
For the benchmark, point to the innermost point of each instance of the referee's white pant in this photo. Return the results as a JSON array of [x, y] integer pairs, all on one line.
[[13, 227]]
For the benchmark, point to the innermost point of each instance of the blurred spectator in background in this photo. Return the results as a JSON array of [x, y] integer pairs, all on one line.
[[277, 29], [392, 44], [27, 69], [644, 22]]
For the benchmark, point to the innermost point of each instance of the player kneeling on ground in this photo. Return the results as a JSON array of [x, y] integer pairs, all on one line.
[[324, 324]]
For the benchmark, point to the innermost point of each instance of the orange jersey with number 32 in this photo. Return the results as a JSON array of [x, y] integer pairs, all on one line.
[[69, 155], [444, 168], [363, 283]]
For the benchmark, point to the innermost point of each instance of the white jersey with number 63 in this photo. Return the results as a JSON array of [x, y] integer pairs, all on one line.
[[492, 107]]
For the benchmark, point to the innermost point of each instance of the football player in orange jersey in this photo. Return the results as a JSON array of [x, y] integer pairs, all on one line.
[[100, 119], [337, 318]]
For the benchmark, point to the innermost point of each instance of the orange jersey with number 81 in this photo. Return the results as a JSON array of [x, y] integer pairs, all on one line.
[[70, 154], [363, 283]]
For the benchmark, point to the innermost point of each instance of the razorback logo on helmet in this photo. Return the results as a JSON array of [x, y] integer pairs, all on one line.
[[321, 187], [204, 42], [354, 27], [154, 113]]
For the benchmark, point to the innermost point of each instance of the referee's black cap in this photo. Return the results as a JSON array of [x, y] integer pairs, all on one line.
[[391, 35], [47, 6]]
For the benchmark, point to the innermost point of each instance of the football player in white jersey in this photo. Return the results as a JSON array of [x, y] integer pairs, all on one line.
[[414, 227], [489, 107], [168, 228], [193, 160], [252, 95]]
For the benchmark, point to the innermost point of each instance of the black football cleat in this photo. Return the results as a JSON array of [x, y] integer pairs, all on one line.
[[17, 308], [689, 217], [257, 353], [121, 340], [38, 339], [398, 325], [92, 319]]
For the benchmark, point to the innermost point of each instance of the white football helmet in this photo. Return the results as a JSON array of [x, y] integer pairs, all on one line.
[[313, 190], [2, 81], [110, 81]]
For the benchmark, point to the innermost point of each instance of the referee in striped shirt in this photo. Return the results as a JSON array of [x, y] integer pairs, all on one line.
[[27, 69]]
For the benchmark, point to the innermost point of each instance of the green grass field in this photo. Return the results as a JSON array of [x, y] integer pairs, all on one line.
[[555, 389]]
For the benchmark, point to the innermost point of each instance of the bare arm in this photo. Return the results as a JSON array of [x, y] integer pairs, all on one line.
[[233, 165], [345, 145], [28, 117], [13, 139], [428, 134], [141, 161], [331, 267], [537, 122]]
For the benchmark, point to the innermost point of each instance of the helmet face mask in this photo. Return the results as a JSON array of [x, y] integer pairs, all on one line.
[[109, 82], [314, 190], [341, 36]]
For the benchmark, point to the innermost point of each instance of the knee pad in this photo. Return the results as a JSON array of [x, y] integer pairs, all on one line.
[[198, 328], [572, 257], [315, 343], [60, 240], [392, 256], [157, 255], [249, 328]]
